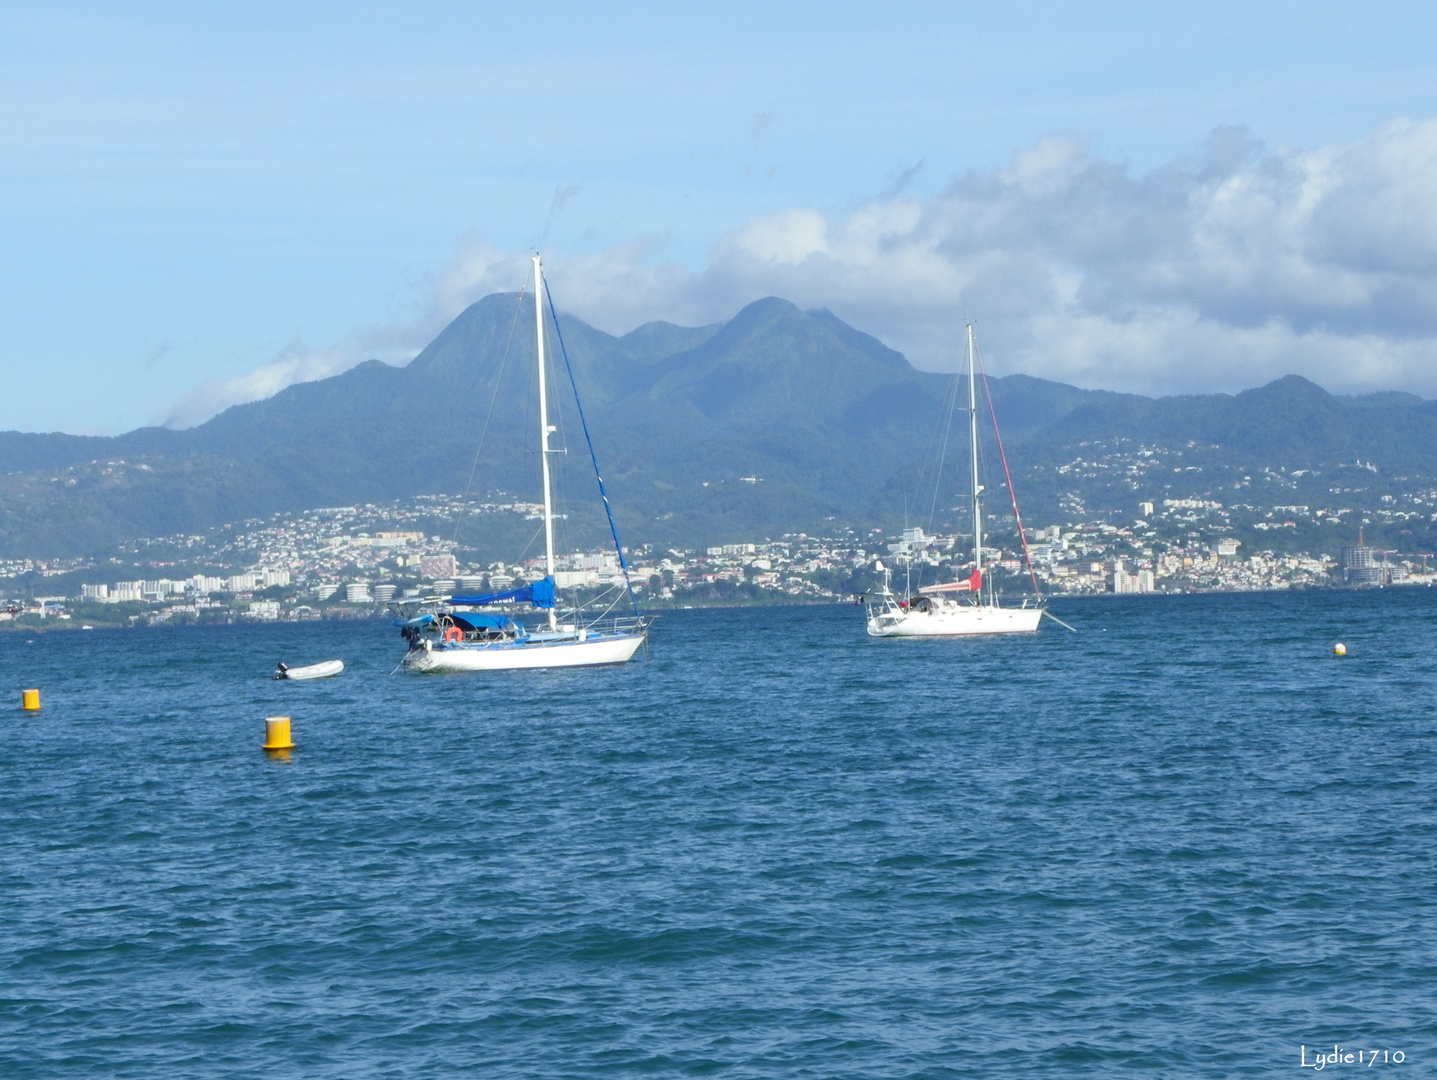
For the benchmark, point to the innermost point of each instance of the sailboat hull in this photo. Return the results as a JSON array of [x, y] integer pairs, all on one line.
[[954, 621], [598, 651]]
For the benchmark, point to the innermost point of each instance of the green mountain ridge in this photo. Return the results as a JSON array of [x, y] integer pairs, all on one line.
[[827, 424]]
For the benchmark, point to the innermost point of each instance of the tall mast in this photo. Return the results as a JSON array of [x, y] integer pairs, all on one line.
[[973, 457], [544, 429]]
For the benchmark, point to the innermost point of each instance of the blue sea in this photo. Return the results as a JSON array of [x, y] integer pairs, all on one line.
[[1186, 841]]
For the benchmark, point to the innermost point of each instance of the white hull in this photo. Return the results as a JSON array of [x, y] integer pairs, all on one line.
[[326, 670], [508, 656], [954, 620]]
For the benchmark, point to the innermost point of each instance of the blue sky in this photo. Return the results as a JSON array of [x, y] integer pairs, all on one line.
[[199, 205]]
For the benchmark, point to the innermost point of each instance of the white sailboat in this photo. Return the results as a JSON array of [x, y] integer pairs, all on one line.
[[456, 637], [960, 608]]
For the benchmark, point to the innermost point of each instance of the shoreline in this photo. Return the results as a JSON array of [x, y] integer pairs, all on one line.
[[332, 615]]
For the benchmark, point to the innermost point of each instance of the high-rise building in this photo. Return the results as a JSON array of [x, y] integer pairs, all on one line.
[[569, 579], [438, 566], [1362, 565]]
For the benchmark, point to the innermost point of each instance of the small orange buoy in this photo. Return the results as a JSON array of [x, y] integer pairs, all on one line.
[[30, 700], [276, 733]]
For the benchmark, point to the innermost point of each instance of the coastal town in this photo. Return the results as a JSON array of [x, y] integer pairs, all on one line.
[[355, 561]]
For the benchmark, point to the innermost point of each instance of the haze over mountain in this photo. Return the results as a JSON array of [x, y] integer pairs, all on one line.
[[778, 420]]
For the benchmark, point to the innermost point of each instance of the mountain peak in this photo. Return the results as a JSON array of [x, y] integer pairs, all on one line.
[[762, 314], [1292, 387]]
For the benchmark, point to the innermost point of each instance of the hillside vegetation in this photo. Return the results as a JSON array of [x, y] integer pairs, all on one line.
[[777, 421]]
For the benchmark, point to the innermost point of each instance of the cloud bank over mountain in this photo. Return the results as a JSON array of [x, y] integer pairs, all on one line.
[[1219, 271]]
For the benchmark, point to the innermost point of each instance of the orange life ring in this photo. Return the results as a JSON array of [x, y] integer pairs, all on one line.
[[453, 634]]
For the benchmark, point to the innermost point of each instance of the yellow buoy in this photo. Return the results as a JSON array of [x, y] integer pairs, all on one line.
[[30, 700], [276, 733], [1339, 649]]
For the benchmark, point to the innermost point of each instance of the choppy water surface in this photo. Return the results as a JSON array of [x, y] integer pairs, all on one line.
[[1182, 843]]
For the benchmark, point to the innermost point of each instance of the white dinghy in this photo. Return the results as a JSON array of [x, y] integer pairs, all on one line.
[[326, 669]]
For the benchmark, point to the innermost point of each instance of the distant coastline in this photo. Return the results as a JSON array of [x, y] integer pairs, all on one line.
[[64, 622]]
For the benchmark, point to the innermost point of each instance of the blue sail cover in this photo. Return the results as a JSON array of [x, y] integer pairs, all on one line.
[[540, 594], [473, 620]]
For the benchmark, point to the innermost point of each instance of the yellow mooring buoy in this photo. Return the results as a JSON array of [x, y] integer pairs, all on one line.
[[1339, 649], [30, 700], [276, 733]]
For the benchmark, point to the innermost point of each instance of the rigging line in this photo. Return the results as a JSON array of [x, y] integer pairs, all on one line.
[[564, 502], [1012, 495], [498, 382], [932, 458], [943, 449], [614, 529], [947, 429], [559, 473], [593, 601], [605, 613], [1059, 621], [538, 533]]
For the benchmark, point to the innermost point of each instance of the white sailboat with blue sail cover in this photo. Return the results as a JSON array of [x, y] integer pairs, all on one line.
[[459, 634]]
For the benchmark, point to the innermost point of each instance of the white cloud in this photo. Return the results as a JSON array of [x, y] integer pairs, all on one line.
[[1221, 271], [295, 363]]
